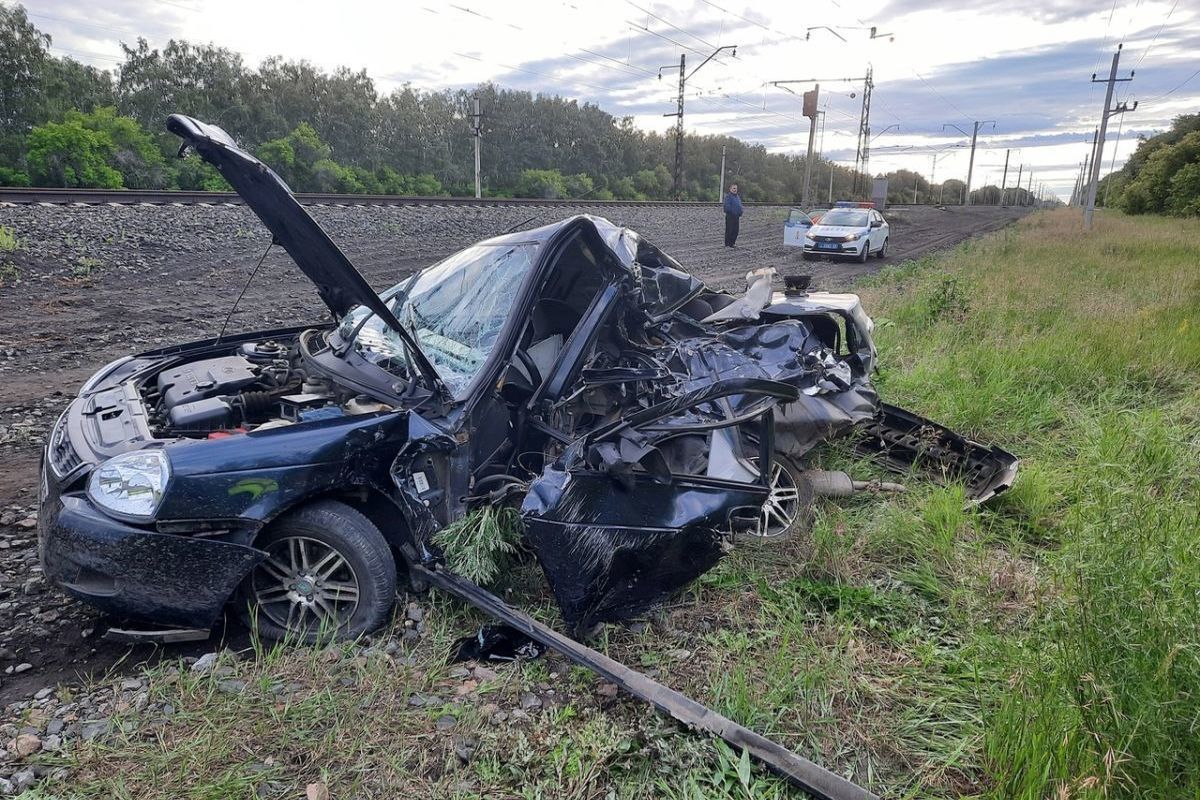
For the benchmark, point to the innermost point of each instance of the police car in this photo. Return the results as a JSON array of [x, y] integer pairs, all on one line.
[[848, 230]]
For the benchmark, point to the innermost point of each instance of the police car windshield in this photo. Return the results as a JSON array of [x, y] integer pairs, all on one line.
[[850, 217]]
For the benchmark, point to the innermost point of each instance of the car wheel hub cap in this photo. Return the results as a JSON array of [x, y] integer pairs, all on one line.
[[305, 583]]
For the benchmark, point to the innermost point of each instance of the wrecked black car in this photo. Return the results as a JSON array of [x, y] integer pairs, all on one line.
[[640, 419]]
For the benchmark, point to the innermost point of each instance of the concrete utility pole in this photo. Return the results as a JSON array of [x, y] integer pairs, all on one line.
[[1020, 169], [1089, 209], [677, 181], [933, 177], [1087, 169], [810, 111], [971, 165], [1004, 180], [721, 194], [477, 133]]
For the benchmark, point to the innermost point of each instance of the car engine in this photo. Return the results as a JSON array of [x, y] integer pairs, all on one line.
[[260, 385]]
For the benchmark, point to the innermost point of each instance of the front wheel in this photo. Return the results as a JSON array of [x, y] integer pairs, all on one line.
[[328, 574], [882, 250], [866, 252]]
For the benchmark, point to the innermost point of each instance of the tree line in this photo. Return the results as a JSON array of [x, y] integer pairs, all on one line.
[[1162, 176], [63, 123]]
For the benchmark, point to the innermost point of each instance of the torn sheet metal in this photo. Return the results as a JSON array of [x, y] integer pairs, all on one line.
[[611, 552]]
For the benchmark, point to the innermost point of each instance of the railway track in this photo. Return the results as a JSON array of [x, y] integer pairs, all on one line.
[[128, 197], [33, 196]]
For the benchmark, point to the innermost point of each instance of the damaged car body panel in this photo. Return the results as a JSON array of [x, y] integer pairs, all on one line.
[[637, 417]]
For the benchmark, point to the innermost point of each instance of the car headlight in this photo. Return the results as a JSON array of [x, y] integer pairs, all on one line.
[[131, 485], [851, 237], [809, 235]]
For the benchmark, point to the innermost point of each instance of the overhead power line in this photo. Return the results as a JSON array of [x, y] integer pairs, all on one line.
[[1155, 39], [1185, 82]]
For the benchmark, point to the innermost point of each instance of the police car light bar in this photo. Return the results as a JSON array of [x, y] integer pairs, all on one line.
[[853, 204]]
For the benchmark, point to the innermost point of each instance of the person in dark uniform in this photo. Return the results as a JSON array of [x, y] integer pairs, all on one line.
[[733, 215]]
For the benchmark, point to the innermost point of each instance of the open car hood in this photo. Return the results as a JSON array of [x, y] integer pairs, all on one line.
[[340, 285], [338, 282]]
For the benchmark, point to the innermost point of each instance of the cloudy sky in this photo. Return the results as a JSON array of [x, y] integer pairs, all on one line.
[[1022, 66]]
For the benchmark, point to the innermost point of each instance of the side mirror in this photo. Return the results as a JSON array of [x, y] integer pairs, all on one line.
[[876, 223]]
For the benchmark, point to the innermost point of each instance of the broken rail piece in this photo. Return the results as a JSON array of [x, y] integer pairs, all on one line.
[[807, 775]]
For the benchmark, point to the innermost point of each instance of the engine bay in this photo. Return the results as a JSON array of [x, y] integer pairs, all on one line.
[[257, 386]]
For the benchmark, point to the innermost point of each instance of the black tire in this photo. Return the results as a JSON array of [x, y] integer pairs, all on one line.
[[330, 576], [882, 254], [866, 252]]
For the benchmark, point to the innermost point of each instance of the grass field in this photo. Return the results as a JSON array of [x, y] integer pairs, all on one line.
[[1046, 646]]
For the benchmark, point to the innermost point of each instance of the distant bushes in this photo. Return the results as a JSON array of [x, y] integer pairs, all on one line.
[[1163, 174]]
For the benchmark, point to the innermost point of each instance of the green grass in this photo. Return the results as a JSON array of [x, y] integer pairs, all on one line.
[[1047, 645], [9, 243]]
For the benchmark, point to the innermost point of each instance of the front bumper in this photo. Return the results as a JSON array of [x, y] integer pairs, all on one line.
[[134, 573], [844, 249]]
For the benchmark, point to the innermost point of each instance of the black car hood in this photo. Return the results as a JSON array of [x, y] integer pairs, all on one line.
[[340, 285]]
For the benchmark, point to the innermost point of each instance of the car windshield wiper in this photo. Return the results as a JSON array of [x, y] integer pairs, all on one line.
[[400, 296], [412, 348]]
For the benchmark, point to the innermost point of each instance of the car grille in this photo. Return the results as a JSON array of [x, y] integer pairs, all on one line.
[[838, 239], [61, 455]]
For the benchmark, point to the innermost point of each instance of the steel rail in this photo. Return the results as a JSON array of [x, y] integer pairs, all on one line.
[[56, 196]]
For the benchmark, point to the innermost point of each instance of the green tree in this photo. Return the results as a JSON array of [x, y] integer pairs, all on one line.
[[546, 184], [67, 85], [1183, 199], [579, 185], [296, 158], [195, 174], [68, 154], [13, 177], [22, 56], [135, 153]]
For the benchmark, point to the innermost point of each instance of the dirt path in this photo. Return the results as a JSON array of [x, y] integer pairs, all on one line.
[[95, 283]]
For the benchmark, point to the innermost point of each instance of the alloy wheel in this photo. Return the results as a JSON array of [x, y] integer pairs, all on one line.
[[304, 583], [782, 505]]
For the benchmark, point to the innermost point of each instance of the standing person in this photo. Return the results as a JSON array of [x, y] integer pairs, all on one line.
[[733, 215]]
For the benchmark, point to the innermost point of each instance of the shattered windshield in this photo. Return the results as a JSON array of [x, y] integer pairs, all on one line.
[[845, 216], [455, 309]]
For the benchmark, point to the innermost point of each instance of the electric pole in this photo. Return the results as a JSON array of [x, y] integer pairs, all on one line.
[[1004, 180], [1089, 208], [933, 177], [810, 111], [684, 76], [477, 133], [863, 155], [971, 164], [721, 194], [1087, 169], [1020, 169]]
